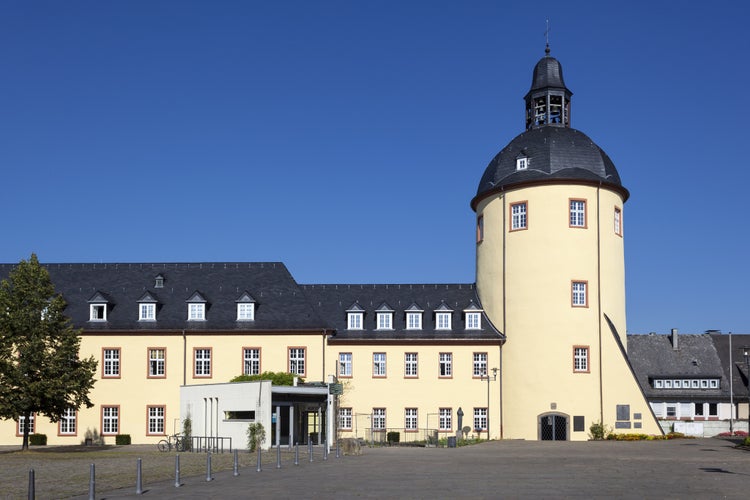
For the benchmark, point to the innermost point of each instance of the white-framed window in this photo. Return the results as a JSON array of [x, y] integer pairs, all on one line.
[[480, 364], [156, 420], [147, 312], [157, 362], [378, 418], [410, 419], [704, 384], [667, 384], [345, 364], [446, 364], [577, 213], [414, 320], [410, 364], [522, 163], [67, 424], [111, 364], [714, 383], [22, 424], [354, 320], [202, 363], [98, 312], [518, 216], [698, 410], [245, 311], [445, 419], [378, 364], [385, 321], [196, 311], [618, 221], [671, 411], [110, 419], [581, 359], [579, 297], [443, 320], [713, 410], [473, 320], [251, 360], [480, 419], [297, 361], [345, 418], [658, 383], [694, 383]]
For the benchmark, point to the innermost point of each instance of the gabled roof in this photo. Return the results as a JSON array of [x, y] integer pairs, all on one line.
[[738, 366], [653, 356], [148, 297], [333, 301]]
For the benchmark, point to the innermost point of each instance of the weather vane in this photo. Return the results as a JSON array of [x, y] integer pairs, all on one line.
[[546, 38]]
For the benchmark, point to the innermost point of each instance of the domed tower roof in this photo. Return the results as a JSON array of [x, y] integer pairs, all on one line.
[[550, 150]]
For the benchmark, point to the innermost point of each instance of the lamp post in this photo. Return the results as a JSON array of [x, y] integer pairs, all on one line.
[[746, 353], [489, 378]]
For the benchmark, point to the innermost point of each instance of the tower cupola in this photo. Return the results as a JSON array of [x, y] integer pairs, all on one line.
[[548, 100]]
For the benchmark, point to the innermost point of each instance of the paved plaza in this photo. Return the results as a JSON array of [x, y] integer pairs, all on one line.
[[694, 468]]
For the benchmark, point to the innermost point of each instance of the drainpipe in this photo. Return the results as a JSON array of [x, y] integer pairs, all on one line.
[[599, 297], [184, 358]]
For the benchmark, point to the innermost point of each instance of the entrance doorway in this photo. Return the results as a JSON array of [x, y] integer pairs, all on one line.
[[553, 427]]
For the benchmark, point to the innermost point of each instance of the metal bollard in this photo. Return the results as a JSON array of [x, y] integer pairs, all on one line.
[[177, 471], [236, 466], [208, 467], [92, 482], [325, 450], [32, 485], [296, 453], [310, 448], [338, 450], [260, 467], [139, 477], [278, 456]]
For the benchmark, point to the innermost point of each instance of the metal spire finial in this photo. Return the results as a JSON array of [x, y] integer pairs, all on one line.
[[546, 39]]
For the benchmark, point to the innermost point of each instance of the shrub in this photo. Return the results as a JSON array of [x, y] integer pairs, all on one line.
[[38, 439], [599, 431], [122, 439], [393, 437], [187, 433], [256, 435], [92, 437], [746, 442], [276, 378]]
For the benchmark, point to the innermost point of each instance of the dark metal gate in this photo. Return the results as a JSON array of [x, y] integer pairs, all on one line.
[[553, 427]]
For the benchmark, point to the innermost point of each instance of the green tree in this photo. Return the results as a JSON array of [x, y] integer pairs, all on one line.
[[40, 369]]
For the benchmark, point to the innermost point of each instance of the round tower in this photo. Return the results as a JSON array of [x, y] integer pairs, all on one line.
[[551, 275]]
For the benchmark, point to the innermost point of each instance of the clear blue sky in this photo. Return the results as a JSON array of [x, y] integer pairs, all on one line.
[[346, 138]]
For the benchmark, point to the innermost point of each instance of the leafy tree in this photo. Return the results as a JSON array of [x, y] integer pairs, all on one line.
[[40, 369], [277, 378]]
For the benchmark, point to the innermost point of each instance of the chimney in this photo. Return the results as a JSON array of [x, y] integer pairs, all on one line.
[[675, 340]]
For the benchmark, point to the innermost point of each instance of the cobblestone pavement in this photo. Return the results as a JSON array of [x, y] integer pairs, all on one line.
[[691, 468]]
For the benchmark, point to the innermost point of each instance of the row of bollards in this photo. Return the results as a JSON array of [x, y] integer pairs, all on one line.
[[177, 482]]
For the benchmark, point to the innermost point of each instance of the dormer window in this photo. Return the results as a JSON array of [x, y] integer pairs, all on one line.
[[522, 163], [473, 317], [147, 307], [355, 316], [443, 316], [245, 308], [159, 281], [384, 317], [98, 305], [414, 317], [196, 307]]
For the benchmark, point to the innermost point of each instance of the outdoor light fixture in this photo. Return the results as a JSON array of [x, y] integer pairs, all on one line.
[[489, 378]]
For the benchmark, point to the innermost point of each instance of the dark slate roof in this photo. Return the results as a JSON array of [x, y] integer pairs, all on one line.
[[280, 304], [555, 154], [547, 74], [740, 342], [652, 356], [333, 300]]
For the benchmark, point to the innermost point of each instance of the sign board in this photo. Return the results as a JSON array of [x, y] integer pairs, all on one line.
[[336, 389], [273, 418]]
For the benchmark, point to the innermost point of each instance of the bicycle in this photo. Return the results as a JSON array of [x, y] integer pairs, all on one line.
[[175, 441]]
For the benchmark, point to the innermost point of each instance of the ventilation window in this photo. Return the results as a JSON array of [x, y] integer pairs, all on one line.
[[522, 163]]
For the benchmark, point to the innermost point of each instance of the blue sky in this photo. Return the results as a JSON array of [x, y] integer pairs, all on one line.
[[347, 138]]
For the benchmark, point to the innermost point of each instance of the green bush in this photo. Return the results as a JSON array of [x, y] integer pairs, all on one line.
[[393, 437], [187, 433], [122, 439], [38, 439], [746, 442], [256, 435], [599, 431], [276, 378]]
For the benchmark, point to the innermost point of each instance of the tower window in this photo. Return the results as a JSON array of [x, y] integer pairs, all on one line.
[[480, 228], [518, 216], [581, 359], [618, 221], [522, 163], [578, 213], [579, 294]]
